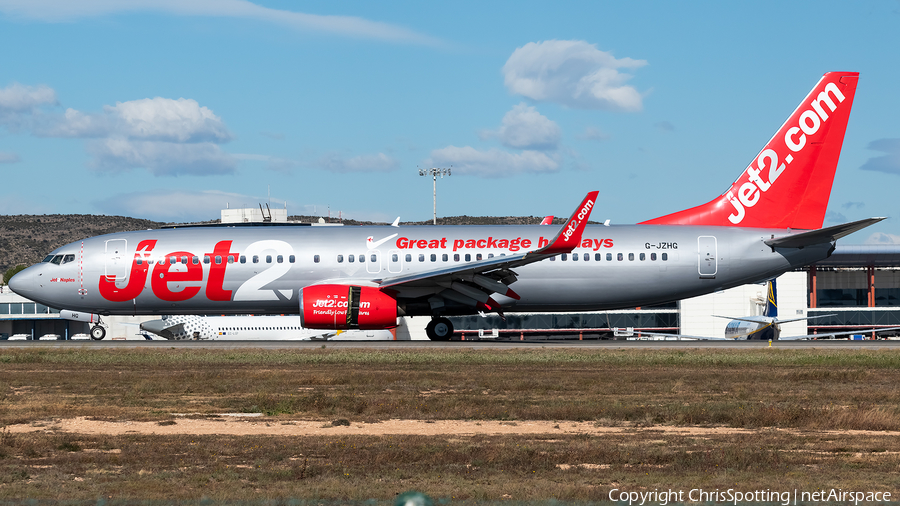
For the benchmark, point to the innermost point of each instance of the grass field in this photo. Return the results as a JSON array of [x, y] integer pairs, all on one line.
[[810, 420]]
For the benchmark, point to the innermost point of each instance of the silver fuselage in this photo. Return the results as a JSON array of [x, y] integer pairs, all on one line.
[[262, 269]]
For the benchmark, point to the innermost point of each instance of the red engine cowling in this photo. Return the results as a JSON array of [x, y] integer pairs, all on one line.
[[342, 307]]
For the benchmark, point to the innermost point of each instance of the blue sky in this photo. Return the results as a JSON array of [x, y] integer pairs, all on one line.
[[170, 110]]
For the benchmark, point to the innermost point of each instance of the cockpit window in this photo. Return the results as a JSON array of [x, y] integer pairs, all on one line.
[[47, 259], [68, 258], [56, 259]]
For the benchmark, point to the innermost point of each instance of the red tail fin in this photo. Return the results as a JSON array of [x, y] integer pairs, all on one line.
[[789, 182]]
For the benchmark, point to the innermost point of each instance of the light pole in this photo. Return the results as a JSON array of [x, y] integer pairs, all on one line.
[[434, 174]]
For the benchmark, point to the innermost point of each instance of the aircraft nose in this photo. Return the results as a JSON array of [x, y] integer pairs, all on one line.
[[23, 282]]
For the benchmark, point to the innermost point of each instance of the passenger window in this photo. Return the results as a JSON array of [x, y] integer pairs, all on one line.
[[280, 259], [139, 261], [231, 259], [243, 259], [598, 256], [652, 256], [490, 255], [468, 257], [351, 258], [206, 259], [609, 257], [184, 260], [173, 260], [362, 258], [291, 259], [433, 257], [218, 259], [195, 260], [268, 259], [315, 258], [421, 257], [631, 257], [456, 257], [255, 259], [444, 257], [408, 257], [478, 256], [395, 257], [574, 257], [341, 259], [643, 257], [552, 259], [373, 258], [665, 256], [587, 257], [563, 257], [620, 257]]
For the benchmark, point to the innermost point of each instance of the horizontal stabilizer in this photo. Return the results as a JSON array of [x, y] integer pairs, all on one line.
[[821, 236]]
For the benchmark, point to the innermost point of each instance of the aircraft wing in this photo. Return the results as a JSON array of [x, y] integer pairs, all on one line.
[[780, 338], [478, 280], [833, 334], [160, 328], [777, 321], [679, 337]]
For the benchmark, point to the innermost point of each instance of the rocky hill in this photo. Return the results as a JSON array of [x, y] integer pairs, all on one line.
[[26, 239]]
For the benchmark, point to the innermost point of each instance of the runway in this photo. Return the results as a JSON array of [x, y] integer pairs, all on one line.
[[476, 345]]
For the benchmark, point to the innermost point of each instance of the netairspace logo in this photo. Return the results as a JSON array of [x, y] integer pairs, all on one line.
[[735, 497]]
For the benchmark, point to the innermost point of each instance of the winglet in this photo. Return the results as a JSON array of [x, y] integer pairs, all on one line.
[[569, 237]]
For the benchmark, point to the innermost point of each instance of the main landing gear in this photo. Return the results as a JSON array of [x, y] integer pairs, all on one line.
[[439, 329], [98, 333]]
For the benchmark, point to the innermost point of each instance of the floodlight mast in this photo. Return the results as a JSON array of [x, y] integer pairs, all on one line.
[[434, 174]]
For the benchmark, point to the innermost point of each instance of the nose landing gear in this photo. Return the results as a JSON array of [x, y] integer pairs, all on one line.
[[98, 333]]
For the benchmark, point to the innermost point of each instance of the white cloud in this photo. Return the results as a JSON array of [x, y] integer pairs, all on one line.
[[835, 217], [594, 134], [18, 98], [492, 163], [351, 26], [525, 128], [6, 157], [160, 158], [173, 205], [19, 103], [156, 119], [363, 163], [273, 163], [890, 162], [168, 137], [573, 73], [665, 126], [882, 238]]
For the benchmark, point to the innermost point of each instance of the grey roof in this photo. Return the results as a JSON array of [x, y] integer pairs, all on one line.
[[863, 255]]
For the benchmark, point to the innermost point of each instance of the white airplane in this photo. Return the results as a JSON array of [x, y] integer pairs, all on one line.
[[767, 326], [340, 278], [252, 328]]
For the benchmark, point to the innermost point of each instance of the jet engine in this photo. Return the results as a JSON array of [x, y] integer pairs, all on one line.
[[342, 307]]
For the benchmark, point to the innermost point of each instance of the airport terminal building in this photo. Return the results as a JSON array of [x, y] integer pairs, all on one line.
[[857, 287]]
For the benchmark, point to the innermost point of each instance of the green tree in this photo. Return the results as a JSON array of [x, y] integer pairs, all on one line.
[[12, 272]]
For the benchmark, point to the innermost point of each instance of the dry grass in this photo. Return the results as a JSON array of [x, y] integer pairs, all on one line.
[[806, 391]]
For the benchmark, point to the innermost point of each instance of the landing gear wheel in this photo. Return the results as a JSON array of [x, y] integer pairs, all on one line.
[[98, 333], [439, 329]]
